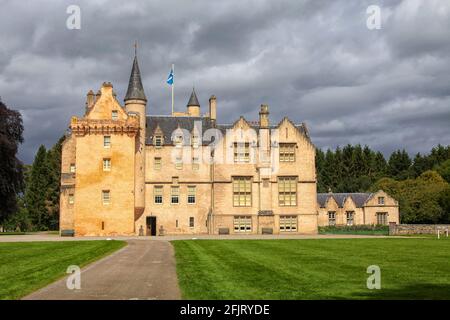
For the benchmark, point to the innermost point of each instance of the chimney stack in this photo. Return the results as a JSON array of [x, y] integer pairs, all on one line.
[[213, 108], [89, 100], [264, 116]]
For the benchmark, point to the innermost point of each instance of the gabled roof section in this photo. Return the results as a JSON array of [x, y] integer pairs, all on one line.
[[358, 198], [135, 89]]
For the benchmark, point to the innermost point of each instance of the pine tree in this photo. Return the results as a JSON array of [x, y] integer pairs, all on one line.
[[320, 162], [52, 197], [400, 165], [37, 190]]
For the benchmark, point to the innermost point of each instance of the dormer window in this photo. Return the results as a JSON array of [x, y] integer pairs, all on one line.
[[158, 141], [241, 151], [178, 140], [114, 115]]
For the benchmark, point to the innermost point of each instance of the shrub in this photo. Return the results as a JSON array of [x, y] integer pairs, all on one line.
[[357, 229]]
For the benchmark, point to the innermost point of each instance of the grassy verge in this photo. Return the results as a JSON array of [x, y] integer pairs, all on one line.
[[358, 229], [313, 269], [28, 266]]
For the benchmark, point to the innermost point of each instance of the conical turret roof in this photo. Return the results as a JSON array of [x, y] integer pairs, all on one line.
[[135, 89], [193, 101]]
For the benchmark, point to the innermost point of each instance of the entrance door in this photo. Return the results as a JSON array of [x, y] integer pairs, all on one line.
[[151, 226]]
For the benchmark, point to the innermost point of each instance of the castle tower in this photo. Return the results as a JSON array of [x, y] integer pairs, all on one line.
[[136, 102], [193, 106]]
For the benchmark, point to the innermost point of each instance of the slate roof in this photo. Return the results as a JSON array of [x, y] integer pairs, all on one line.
[[358, 198], [135, 88], [168, 124], [193, 101]]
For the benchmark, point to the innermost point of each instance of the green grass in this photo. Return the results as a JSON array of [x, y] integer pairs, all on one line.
[[28, 266], [313, 269]]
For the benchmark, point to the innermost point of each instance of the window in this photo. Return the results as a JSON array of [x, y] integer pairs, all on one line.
[[157, 164], [178, 163], [103, 225], [191, 194], [381, 200], [107, 141], [287, 191], [106, 197], [242, 223], [158, 194], [331, 218], [195, 141], [287, 152], [114, 115], [350, 217], [72, 168], [195, 163], [241, 152], [242, 191], [175, 195], [106, 164], [382, 218], [191, 222], [71, 198], [158, 141], [288, 223], [178, 141]]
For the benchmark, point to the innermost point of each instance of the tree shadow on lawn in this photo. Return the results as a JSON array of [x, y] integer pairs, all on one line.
[[417, 291]]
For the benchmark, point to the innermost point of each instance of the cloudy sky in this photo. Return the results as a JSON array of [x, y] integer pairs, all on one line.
[[312, 60]]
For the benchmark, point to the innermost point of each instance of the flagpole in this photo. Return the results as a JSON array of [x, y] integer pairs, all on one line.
[[173, 83]]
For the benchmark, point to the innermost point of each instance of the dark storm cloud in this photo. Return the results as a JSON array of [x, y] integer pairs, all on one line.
[[314, 61]]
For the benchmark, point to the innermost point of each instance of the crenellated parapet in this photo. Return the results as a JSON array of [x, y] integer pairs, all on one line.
[[84, 126]]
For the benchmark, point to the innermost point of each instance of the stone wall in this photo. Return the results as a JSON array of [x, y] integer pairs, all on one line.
[[400, 229]]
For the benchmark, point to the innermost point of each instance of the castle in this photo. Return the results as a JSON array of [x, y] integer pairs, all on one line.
[[124, 172]]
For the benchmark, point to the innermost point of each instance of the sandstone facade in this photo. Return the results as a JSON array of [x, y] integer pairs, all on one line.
[[128, 173]]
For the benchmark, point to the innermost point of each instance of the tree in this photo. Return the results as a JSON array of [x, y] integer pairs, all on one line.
[[418, 198], [444, 170], [52, 197], [400, 165], [444, 202], [320, 161], [420, 164], [11, 174], [37, 189]]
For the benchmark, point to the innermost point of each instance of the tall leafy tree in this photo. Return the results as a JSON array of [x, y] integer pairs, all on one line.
[[444, 202], [11, 173], [419, 199]]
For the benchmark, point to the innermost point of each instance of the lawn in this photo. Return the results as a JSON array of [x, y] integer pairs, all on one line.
[[28, 266], [313, 269]]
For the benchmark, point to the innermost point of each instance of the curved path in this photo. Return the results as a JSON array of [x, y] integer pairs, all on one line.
[[141, 270]]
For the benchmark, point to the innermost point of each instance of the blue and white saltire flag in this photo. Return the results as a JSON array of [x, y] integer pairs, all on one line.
[[170, 77]]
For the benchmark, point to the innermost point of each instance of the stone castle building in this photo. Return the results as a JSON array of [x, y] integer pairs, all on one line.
[[125, 172]]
